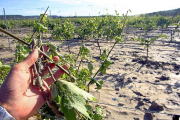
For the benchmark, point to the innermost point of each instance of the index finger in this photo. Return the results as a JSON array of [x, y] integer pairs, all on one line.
[[56, 75]]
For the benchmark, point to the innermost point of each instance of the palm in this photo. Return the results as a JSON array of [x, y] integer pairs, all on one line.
[[30, 97]]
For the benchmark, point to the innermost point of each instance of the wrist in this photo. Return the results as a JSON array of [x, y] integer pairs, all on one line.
[[9, 109], [7, 104], [4, 115]]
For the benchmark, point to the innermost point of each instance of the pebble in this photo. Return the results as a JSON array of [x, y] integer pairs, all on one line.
[[177, 84], [129, 79], [148, 116], [157, 81], [156, 106], [147, 100], [117, 88], [121, 95], [137, 93], [114, 99], [134, 78], [177, 73], [164, 77]]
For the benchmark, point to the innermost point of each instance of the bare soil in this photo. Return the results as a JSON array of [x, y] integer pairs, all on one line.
[[132, 90]]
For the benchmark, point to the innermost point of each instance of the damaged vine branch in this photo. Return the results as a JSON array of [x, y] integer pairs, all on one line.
[[44, 54], [37, 80]]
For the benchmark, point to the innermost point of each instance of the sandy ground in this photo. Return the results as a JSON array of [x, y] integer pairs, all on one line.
[[132, 90]]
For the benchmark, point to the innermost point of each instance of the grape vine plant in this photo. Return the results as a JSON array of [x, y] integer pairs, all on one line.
[[69, 95]]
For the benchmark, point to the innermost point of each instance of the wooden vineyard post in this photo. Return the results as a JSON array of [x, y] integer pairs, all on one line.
[[147, 50], [50, 18], [171, 35]]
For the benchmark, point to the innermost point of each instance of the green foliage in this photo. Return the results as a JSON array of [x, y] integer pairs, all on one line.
[[98, 113], [67, 109], [162, 21], [74, 98], [162, 36], [21, 52], [43, 17], [70, 95], [87, 28], [64, 31], [105, 65], [51, 25], [110, 27], [39, 27], [90, 67], [10, 24], [114, 27], [3, 25], [104, 55], [145, 22], [146, 42], [4, 70], [27, 23], [84, 51], [99, 84]]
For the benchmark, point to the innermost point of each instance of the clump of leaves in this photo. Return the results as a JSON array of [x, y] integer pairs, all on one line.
[[4, 70], [64, 31], [70, 95], [146, 42], [73, 99]]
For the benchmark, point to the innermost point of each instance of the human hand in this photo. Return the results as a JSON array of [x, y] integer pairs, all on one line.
[[18, 95]]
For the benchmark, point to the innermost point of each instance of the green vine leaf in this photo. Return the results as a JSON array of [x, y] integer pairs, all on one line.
[[21, 53], [76, 97], [99, 85], [104, 55], [52, 46], [79, 104], [90, 67], [92, 81], [105, 65], [73, 89], [38, 27], [99, 113], [68, 111], [84, 51], [54, 90], [119, 39], [44, 18], [4, 67]]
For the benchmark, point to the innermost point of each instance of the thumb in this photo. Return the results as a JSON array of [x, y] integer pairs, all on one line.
[[30, 60]]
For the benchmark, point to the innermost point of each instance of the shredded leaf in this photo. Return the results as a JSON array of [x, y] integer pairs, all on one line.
[[73, 89]]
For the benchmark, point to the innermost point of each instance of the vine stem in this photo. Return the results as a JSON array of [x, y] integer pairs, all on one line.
[[44, 54], [68, 47], [50, 103], [80, 49], [99, 46], [49, 116], [60, 67], [8, 33], [111, 49], [79, 66], [45, 95], [49, 70], [2, 73], [40, 21], [81, 57]]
